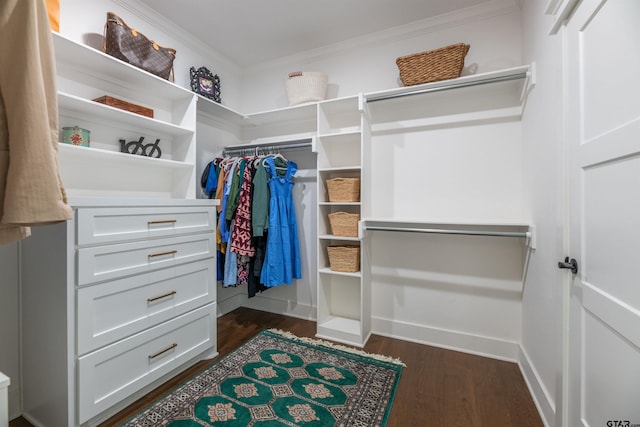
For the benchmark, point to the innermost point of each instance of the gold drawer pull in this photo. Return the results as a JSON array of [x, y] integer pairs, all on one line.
[[162, 221], [171, 347], [161, 296], [163, 253]]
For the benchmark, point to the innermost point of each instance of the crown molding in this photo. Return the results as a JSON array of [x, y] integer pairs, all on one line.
[[156, 19], [487, 10], [419, 28]]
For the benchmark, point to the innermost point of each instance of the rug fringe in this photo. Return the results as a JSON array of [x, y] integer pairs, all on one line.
[[330, 344]]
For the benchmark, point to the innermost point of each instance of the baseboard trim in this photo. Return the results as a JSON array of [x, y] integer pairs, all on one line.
[[539, 393], [277, 306], [229, 304], [451, 340]]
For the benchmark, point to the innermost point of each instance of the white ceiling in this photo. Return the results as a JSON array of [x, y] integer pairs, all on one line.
[[250, 32]]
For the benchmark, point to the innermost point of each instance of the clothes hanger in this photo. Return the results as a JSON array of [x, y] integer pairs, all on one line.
[[276, 155]]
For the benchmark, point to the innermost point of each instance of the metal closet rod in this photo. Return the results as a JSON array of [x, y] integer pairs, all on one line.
[[522, 234], [458, 85], [255, 148]]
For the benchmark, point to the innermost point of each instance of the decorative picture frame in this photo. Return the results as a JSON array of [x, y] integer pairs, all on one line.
[[205, 83]]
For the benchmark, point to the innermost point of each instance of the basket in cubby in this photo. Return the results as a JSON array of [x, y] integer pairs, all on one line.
[[344, 258], [343, 189], [344, 224], [434, 65]]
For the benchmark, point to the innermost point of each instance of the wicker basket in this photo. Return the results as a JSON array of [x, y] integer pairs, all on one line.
[[344, 258], [306, 86], [439, 64], [344, 224], [344, 189]]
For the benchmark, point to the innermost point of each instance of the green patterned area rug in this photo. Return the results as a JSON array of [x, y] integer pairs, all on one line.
[[278, 379]]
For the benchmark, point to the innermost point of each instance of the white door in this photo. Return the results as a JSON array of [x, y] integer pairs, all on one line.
[[603, 134]]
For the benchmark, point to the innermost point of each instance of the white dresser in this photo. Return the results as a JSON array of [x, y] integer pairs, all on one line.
[[115, 302]]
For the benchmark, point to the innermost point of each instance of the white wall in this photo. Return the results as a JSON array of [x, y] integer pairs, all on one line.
[[461, 292], [544, 162], [368, 64], [9, 324]]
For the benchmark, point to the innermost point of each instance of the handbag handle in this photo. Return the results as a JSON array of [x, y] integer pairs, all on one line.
[[118, 21]]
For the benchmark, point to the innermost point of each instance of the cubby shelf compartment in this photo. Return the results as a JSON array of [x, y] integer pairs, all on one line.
[[340, 309], [81, 108], [85, 73], [92, 172], [340, 115], [341, 329]]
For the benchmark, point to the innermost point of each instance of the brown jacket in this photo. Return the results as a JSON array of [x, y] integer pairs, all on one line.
[[31, 192]]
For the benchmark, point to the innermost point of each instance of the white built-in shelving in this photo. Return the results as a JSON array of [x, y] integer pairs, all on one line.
[[344, 298], [342, 130], [490, 95], [85, 74]]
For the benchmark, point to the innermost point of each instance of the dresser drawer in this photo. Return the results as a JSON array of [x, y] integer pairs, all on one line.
[[113, 310], [109, 375], [110, 262], [110, 225]]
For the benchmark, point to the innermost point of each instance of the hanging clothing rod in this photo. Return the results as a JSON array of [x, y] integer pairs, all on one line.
[[522, 234], [458, 85], [256, 148]]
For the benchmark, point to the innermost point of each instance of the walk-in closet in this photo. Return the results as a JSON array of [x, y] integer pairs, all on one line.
[[474, 235]]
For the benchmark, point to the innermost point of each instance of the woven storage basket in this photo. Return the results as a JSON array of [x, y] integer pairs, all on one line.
[[306, 86], [344, 189], [344, 224], [344, 258], [439, 64]]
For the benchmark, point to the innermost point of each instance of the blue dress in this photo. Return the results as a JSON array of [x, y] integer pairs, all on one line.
[[282, 258]]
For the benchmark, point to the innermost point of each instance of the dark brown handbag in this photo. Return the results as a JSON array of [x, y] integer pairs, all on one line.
[[133, 47]]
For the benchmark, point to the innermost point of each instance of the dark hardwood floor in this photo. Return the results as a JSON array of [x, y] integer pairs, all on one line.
[[438, 387]]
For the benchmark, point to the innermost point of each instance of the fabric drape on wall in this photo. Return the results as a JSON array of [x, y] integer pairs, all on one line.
[[53, 9], [31, 192]]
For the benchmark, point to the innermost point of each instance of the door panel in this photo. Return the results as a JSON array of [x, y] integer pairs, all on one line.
[[609, 68], [611, 363], [603, 128], [611, 231]]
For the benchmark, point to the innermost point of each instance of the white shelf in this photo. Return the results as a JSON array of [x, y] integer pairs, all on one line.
[[83, 59], [328, 270], [303, 112], [519, 75], [334, 237], [492, 95], [343, 324], [219, 111], [341, 169], [339, 203], [338, 137], [91, 110], [92, 172], [513, 93], [344, 330], [117, 160]]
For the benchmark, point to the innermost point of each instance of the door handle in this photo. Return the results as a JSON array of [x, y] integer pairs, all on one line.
[[571, 264]]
